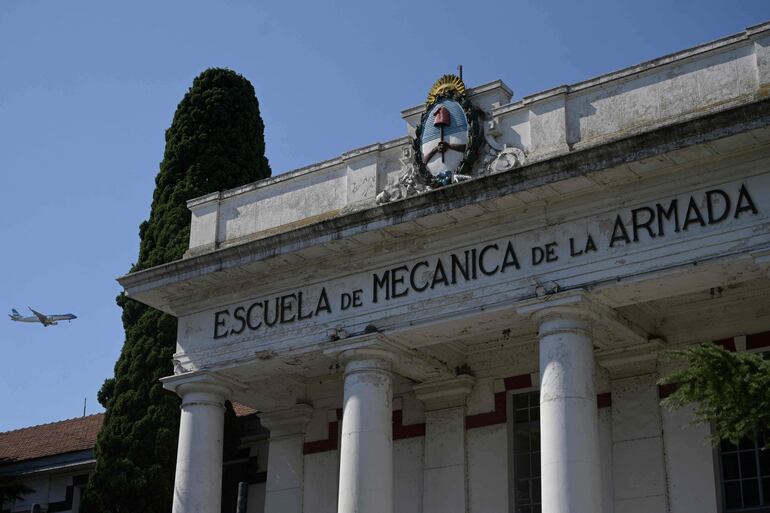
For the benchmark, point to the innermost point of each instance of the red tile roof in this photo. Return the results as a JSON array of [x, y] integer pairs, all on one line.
[[50, 439], [61, 437]]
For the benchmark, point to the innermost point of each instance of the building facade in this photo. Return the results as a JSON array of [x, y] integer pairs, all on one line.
[[52, 460], [473, 318]]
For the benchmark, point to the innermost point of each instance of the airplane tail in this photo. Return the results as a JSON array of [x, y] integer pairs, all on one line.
[[14, 314]]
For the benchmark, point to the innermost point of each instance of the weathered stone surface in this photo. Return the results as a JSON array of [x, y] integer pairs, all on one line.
[[640, 198]]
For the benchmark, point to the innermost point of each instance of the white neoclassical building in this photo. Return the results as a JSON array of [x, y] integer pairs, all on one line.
[[471, 318]]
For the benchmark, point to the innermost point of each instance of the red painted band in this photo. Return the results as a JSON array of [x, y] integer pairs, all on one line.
[[498, 416], [727, 343], [516, 382], [330, 444], [666, 390], [758, 340], [400, 431], [604, 400]]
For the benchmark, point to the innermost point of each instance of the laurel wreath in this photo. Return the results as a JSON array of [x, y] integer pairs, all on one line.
[[473, 117]]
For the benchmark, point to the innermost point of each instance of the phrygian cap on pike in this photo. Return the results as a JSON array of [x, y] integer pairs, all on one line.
[[441, 117]]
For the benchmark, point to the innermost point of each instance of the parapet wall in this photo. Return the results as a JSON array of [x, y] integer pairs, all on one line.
[[726, 73]]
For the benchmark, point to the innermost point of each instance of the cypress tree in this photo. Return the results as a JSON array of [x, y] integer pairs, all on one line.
[[215, 142]]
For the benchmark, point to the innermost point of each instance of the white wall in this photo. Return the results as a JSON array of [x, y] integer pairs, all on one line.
[[690, 463], [408, 475], [321, 482], [639, 475], [47, 488], [605, 459], [488, 469]]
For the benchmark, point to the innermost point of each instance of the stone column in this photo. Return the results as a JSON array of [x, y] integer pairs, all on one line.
[[444, 468], [285, 459], [366, 453], [569, 435], [198, 481]]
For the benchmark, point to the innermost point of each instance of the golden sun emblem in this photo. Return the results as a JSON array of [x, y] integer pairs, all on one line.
[[444, 85]]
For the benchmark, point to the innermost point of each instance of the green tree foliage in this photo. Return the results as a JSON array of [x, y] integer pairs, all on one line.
[[215, 142], [729, 390]]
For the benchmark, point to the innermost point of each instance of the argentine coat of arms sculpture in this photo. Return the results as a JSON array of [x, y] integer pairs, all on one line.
[[449, 134], [448, 145]]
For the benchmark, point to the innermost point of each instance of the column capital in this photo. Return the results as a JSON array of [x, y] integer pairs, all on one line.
[[201, 382], [367, 358], [370, 350], [376, 351], [573, 304], [287, 421], [577, 310], [444, 393]]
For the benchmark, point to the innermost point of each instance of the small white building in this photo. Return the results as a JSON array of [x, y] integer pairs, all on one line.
[[470, 318], [52, 460]]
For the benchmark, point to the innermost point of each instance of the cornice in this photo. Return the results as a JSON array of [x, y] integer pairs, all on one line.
[[700, 130]]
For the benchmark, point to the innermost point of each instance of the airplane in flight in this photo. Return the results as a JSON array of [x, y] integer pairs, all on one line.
[[45, 320]]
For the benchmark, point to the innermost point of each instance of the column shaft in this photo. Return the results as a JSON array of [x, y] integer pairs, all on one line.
[[569, 444], [366, 453], [198, 481]]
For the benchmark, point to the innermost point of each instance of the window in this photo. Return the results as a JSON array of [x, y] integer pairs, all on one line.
[[745, 476], [526, 452]]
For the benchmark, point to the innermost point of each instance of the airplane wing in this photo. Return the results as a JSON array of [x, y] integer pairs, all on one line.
[[43, 317]]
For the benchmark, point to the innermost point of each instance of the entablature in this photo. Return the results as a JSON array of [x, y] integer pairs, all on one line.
[[535, 194]]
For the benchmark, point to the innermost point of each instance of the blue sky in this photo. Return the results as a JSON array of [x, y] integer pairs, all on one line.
[[87, 90]]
